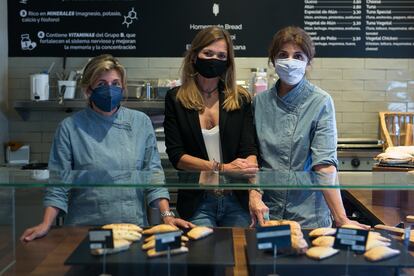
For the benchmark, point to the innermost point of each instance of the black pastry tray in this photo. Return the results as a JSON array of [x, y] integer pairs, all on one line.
[[262, 263], [215, 250]]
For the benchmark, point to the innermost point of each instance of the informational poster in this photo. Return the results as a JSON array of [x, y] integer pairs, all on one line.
[[159, 28]]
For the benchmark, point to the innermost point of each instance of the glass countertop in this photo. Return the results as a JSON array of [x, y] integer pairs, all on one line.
[[206, 180]]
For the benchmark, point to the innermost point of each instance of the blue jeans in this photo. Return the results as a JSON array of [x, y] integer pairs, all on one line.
[[220, 211]]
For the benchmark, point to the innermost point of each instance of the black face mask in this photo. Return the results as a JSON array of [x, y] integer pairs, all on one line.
[[210, 68]]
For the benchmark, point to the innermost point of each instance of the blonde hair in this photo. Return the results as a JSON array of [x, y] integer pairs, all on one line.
[[99, 65], [189, 94]]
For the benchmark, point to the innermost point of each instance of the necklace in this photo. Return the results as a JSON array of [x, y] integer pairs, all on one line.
[[209, 92]]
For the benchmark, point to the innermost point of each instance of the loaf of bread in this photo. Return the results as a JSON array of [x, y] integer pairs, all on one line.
[[119, 245], [320, 252], [324, 241], [323, 231], [128, 235], [161, 228], [199, 232], [380, 253], [123, 226], [152, 253], [152, 237]]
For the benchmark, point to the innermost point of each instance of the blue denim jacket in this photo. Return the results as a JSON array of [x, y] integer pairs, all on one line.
[[93, 142], [295, 133]]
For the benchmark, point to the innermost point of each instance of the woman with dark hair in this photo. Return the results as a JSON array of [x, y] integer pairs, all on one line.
[[296, 130], [209, 127]]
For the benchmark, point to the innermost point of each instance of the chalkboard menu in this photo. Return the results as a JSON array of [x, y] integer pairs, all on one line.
[[160, 28]]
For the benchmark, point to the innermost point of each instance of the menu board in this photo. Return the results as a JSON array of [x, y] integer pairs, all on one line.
[[159, 28]]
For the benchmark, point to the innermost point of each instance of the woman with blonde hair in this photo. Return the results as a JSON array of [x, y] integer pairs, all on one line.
[[209, 127], [105, 138]]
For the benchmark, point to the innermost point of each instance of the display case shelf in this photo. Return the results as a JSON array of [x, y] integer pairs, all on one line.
[[24, 107]]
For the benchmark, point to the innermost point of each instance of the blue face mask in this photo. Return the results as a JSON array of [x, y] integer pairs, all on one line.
[[107, 97]]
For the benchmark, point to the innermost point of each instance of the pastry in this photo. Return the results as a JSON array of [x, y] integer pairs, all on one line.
[[320, 253], [352, 226], [151, 244], [161, 228], [123, 226], [376, 235], [323, 231], [199, 232], [152, 253], [119, 245], [128, 235], [325, 241], [373, 242], [152, 237], [380, 253], [299, 244]]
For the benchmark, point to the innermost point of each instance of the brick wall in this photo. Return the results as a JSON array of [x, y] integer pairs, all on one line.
[[360, 88]]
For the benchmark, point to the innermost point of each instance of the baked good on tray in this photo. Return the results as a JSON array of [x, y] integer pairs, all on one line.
[[199, 232], [320, 252], [380, 253], [161, 228], [123, 226]]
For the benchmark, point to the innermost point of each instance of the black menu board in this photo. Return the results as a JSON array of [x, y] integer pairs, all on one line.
[[159, 28]]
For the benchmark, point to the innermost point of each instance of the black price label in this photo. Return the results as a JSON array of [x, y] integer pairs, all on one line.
[[165, 241], [269, 237], [101, 238], [351, 238]]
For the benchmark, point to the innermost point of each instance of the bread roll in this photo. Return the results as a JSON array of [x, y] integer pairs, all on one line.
[[123, 226], [324, 241], [320, 253], [128, 235], [380, 253], [199, 232], [152, 253], [323, 231], [161, 228], [119, 245]]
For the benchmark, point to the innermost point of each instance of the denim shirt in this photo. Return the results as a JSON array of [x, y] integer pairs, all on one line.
[[295, 133], [92, 142]]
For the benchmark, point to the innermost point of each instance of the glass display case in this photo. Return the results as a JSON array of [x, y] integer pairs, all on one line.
[[382, 200]]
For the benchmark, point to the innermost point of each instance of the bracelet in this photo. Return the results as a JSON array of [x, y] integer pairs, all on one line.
[[216, 166]]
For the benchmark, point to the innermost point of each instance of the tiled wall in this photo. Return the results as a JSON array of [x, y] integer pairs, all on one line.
[[360, 88], [4, 128]]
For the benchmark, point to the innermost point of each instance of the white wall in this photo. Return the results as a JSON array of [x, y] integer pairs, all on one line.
[[4, 128], [360, 87]]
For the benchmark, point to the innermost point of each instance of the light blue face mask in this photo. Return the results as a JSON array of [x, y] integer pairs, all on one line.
[[107, 97], [290, 71]]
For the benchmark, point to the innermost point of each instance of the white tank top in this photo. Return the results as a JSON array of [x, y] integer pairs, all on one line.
[[212, 142]]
